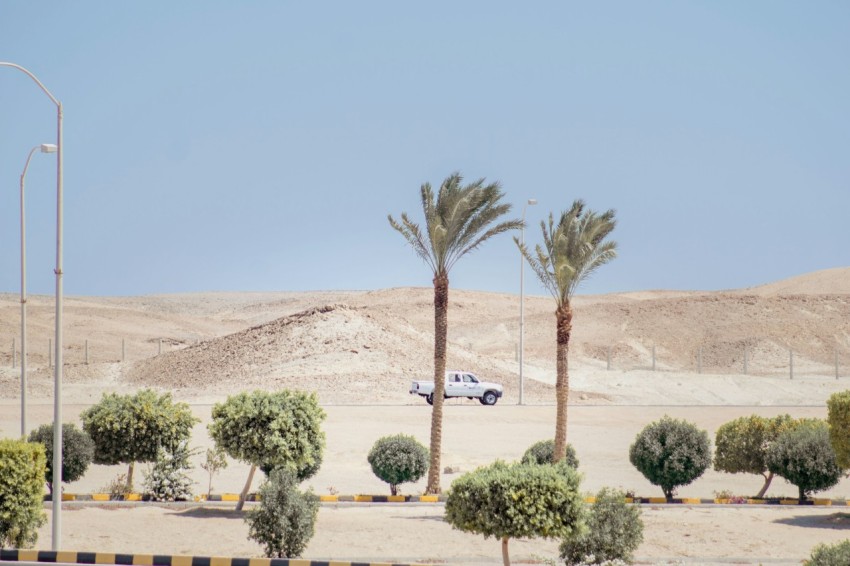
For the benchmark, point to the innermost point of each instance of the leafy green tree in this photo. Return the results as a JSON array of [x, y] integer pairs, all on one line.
[[671, 453], [542, 453], [285, 520], [572, 250], [398, 459], [133, 428], [614, 532], [22, 469], [517, 500], [77, 451], [460, 220], [270, 430], [804, 456], [838, 407], [741, 445]]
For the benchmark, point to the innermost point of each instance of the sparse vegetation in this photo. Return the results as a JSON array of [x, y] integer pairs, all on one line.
[[215, 461], [837, 554]]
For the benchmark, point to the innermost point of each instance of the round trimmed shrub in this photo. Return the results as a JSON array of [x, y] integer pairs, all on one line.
[[285, 520], [398, 459], [517, 500], [671, 453], [838, 406], [77, 451], [542, 452], [804, 456], [614, 532]]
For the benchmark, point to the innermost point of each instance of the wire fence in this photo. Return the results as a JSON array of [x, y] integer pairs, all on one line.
[[41, 352]]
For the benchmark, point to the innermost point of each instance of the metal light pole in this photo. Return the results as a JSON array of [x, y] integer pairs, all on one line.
[[57, 395], [45, 148], [532, 202]]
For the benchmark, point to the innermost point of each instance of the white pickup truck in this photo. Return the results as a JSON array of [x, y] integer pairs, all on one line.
[[460, 384]]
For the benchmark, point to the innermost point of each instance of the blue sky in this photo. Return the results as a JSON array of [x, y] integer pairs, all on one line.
[[249, 146]]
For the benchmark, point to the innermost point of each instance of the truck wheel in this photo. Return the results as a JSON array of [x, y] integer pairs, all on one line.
[[430, 398], [489, 398]]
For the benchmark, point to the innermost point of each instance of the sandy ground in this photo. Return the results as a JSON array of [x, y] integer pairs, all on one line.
[[359, 350]]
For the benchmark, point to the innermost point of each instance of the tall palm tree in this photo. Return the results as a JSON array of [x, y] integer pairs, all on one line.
[[572, 250], [460, 220]]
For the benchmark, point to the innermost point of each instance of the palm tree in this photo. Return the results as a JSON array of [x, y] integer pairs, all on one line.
[[572, 250], [461, 219]]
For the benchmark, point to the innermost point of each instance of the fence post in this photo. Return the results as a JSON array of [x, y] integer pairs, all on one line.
[[160, 346], [87, 352], [653, 357], [14, 354], [50, 352], [608, 363], [791, 360], [699, 360], [836, 364], [123, 350]]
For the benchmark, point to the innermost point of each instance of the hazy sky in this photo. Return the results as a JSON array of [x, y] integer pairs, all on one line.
[[245, 146]]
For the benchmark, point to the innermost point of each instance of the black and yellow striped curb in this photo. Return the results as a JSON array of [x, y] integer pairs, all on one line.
[[51, 556], [255, 497], [442, 498]]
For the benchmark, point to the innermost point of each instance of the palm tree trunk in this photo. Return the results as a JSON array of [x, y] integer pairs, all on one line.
[[564, 326], [441, 308]]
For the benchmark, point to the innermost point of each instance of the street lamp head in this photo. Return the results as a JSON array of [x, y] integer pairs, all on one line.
[[48, 148], [532, 201]]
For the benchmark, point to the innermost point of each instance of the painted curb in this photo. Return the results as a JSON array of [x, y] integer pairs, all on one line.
[[45, 556]]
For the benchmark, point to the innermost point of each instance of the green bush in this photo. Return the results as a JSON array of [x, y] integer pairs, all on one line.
[[270, 430], [167, 479], [133, 428], [304, 472], [542, 452], [671, 453], [804, 456], [77, 451], [741, 445], [614, 532], [517, 501], [837, 554], [285, 520], [398, 459], [22, 466], [838, 407]]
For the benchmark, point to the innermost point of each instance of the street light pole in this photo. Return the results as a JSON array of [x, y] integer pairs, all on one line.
[[532, 202], [45, 148], [57, 382]]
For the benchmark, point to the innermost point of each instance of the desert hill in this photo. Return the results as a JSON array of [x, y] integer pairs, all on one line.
[[365, 346]]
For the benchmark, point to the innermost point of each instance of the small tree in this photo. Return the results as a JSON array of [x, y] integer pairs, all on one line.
[[517, 501], [543, 452], [285, 520], [270, 430], [804, 457], [671, 453], [838, 407], [216, 460], [837, 554], [398, 459], [22, 468], [741, 445], [133, 428], [167, 479], [614, 532], [77, 451]]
